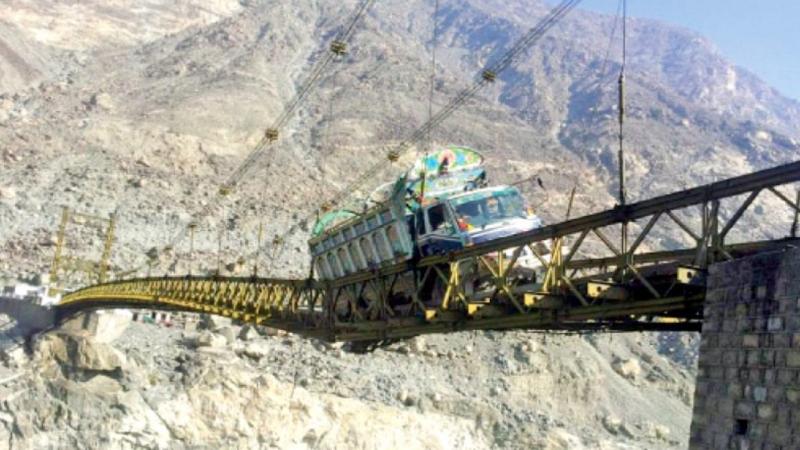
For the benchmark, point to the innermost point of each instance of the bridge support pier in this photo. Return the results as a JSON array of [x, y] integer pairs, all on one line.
[[747, 394]]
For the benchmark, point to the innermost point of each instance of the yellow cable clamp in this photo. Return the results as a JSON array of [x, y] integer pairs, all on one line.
[[271, 134], [338, 48]]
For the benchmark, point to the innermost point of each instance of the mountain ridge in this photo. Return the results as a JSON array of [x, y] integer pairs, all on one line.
[[181, 110]]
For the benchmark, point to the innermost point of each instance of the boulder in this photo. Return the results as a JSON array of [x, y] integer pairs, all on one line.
[[401, 396], [7, 193], [79, 352], [209, 339], [101, 326], [101, 100], [522, 353], [212, 322], [256, 350], [111, 325], [153, 253], [48, 241], [97, 356], [417, 344], [248, 333], [101, 386], [229, 333], [612, 424], [273, 332], [14, 356], [629, 368], [661, 432]]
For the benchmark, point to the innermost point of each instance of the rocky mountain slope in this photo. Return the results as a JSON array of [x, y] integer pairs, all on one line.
[[149, 123], [144, 108], [222, 386]]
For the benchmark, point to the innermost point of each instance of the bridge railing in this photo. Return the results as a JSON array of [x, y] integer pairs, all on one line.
[[631, 280]]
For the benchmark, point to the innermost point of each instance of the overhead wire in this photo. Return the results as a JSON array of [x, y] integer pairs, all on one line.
[[341, 39], [486, 76], [610, 40]]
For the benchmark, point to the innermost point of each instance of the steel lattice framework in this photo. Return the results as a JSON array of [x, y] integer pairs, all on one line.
[[628, 290]]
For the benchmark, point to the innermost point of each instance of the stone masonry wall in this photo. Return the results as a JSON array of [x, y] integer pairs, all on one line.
[[748, 386]]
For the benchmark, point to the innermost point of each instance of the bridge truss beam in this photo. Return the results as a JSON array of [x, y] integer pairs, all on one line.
[[625, 290]]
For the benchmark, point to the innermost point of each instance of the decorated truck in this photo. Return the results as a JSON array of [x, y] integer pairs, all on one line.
[[441, 204]]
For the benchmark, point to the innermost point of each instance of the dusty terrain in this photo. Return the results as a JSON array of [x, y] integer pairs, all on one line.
[[224, 386], [144, 108], [150, 123]]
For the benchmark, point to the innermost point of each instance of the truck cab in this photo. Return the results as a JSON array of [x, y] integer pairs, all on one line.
[[473, 217]]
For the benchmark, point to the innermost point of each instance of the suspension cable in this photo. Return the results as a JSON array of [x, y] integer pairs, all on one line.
[[429, 140], [611, 39], [434, 45], [338, 46], [487, 76]]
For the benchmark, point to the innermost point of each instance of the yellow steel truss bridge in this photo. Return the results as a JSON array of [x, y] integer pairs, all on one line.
[[629, 289]]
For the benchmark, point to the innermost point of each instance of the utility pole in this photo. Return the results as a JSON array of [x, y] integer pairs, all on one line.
[[625, 260], [621, 99]]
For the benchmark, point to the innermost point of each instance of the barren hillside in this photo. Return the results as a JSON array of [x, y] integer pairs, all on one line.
[[144, 108], [149, 123]]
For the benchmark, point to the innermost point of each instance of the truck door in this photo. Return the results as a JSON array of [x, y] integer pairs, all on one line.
[[440, 234]]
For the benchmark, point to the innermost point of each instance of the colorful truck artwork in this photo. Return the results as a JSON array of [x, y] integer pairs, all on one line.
[[441, 204]]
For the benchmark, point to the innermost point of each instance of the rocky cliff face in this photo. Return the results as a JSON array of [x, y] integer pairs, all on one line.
[[146, 109], [224, 386]]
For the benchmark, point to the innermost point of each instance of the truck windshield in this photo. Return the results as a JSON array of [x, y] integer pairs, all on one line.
[[483, 208]]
